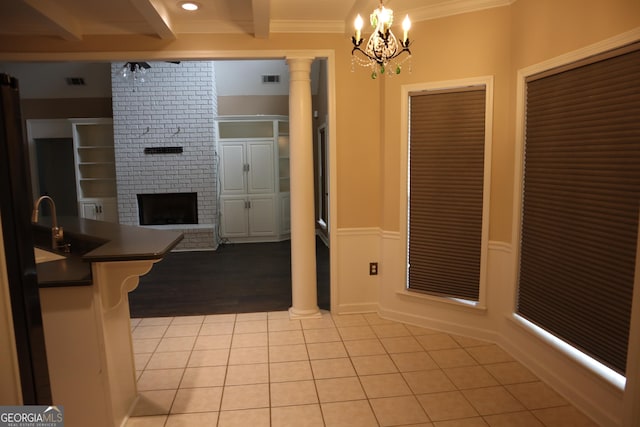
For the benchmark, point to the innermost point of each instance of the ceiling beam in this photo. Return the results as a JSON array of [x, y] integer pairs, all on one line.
[[65, 24], [261, 18], [156, 15]]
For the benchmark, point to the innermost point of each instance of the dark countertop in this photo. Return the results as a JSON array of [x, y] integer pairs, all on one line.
[[71, 271], [97, 241]]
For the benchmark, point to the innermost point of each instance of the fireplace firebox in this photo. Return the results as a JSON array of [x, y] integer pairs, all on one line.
[[168, 208]]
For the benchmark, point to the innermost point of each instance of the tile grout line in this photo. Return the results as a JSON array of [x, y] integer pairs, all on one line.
[[360, 380], [387, 353], [269, 372], [313, 376], [226, 370]]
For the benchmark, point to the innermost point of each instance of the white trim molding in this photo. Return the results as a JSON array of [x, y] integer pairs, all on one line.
[[406, 92], [455, 7], [357, 291], [604, 401]]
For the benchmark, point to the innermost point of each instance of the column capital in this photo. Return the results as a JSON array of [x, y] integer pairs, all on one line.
[[300, 57], [299, 64]]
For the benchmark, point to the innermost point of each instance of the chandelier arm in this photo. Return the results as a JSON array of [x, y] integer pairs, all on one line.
[[363, 53], [382, 47], [379, 59]]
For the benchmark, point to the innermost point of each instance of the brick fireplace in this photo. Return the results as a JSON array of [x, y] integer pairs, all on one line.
[[165, 143]]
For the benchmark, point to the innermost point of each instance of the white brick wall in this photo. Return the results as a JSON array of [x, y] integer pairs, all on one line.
[[175, 106]]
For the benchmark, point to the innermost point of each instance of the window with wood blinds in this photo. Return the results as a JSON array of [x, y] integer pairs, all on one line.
[[580, 203], [446, 179]]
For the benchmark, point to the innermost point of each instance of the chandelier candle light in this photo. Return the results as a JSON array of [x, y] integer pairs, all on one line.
[[135, 70], [383, 47]]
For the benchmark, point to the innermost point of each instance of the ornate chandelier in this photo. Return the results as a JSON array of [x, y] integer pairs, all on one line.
[[382, 48]]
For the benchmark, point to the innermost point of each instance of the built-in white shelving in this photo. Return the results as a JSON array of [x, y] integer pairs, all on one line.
[[254, 178], [95, 168]]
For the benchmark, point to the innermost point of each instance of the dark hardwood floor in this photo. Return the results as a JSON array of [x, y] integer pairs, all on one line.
[[236, 278]]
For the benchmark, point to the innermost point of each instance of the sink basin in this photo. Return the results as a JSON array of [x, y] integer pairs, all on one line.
[[46, 256]]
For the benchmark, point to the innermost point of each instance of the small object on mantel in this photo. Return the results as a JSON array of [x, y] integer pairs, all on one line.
[[163, 150]]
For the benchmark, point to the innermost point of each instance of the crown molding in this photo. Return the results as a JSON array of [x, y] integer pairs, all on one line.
[[455, 7]]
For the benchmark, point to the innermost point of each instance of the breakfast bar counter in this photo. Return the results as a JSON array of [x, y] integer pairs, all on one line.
[[97, 241], [85, 313]]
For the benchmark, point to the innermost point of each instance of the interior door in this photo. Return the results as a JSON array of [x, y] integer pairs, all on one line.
[[56, 174]]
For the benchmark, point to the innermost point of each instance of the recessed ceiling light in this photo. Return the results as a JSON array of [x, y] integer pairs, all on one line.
[[190, 6]]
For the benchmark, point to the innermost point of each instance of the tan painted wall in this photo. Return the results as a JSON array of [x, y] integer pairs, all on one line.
[[65, 107], [498, 42], [357, 99], [249, 105], [495, 42], [457, 47], [543, 29]]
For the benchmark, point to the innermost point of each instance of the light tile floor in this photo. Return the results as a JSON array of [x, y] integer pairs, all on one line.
[[262, 369]]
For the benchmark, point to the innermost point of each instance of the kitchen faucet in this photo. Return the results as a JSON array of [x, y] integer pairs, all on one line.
[[57, 234]]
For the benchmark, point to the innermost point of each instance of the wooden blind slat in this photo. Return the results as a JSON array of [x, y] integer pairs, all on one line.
[[446, 184], [580, 204]]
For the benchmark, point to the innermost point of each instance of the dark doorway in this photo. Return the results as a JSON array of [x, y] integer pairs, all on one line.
[[56, 174], [324, 178]]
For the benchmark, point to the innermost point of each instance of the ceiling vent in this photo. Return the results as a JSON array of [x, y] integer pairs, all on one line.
[[272, 78], [75, 81]]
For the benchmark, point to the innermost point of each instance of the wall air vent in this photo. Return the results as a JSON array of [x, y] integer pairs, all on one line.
[[75, 81], [272, 78]]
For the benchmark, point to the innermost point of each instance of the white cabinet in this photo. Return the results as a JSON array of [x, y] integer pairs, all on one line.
[[99, 209], [248, 216], [95, 168], [253, 167], [247, 167], [234, 218], [247, 181]]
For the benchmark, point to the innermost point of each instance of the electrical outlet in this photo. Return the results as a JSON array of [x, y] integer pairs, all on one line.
[[373, 269]]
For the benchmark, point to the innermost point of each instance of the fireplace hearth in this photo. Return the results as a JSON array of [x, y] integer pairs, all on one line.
[[168, 208]]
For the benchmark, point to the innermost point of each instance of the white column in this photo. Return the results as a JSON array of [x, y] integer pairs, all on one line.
[[303, 237]]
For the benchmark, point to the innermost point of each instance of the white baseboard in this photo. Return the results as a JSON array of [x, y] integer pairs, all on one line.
[[439, 325], [356, 308]]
